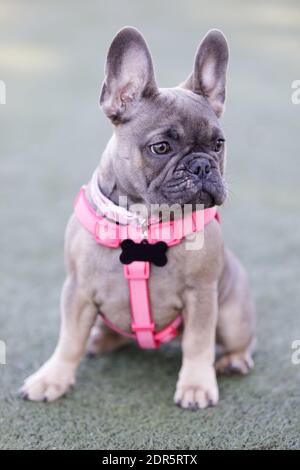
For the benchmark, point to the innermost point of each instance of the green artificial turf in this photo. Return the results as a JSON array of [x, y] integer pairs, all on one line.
[[52, 135]]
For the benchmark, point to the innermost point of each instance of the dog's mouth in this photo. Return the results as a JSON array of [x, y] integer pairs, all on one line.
[[210, 192]]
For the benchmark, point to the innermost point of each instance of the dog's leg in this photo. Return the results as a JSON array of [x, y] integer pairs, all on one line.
[[197, 386], [57, 375], [236, 322], [103, 340]]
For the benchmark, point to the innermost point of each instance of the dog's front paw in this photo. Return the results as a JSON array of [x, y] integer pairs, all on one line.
[[50, 382], [197, 390]]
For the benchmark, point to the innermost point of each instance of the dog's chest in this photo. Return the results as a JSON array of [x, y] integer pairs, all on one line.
[[166, 286]]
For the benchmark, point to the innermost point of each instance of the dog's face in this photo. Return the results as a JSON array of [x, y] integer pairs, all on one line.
[[168, 144]]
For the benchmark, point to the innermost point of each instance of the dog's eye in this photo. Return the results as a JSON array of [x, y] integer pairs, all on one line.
[[218, 145], [161, 148]]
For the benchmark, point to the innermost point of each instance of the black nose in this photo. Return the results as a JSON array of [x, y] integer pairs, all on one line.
[[200, 167]]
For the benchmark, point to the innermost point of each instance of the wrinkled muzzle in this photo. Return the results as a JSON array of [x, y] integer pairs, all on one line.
[[196, 180]]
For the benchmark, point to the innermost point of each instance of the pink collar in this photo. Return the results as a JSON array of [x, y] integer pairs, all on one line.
[[137, 273]]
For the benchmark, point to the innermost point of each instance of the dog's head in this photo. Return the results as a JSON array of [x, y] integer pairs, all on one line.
[[168, 146]]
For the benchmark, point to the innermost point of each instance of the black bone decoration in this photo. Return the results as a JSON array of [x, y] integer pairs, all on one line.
[[144, 251]]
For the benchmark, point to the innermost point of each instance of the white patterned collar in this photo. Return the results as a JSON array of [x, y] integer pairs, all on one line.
[[117, 213]]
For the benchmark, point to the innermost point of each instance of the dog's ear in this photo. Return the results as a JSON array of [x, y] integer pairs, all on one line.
[[129, 75], [209, 75]]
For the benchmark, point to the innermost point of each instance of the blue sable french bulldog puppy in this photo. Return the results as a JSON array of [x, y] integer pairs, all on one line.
[[167, 148]]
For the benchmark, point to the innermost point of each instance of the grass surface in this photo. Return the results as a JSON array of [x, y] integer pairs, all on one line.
[[52, 134]]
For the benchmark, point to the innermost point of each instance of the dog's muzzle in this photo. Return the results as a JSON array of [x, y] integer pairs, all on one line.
[[196, 179]]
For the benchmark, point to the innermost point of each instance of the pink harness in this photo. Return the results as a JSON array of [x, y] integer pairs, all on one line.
[[137, 273]]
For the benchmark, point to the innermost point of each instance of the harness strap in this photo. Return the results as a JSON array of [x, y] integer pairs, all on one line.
[[137, 273], [163, 336]]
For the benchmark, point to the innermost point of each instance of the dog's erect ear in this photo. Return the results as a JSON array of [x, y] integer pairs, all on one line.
[[129, 75], [209, 75]]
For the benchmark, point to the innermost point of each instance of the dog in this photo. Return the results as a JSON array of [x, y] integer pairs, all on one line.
[[167, 148]]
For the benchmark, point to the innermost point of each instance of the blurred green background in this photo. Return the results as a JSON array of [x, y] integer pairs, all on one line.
[[52, 134]]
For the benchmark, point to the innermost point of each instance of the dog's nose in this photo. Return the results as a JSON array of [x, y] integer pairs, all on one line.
[[200, 167]]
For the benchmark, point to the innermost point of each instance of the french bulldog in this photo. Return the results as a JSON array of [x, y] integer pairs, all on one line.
[[167, 148]]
